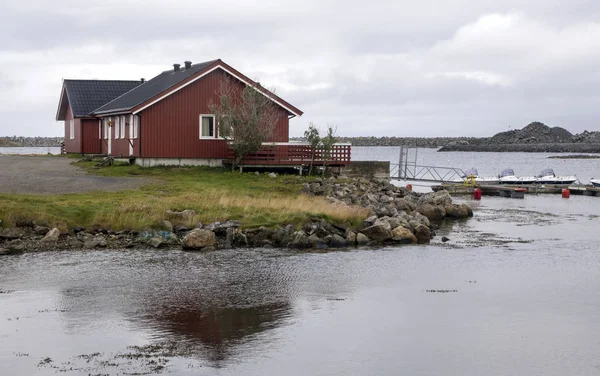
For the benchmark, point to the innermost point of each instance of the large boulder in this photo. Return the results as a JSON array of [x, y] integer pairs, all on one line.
[[423, 234], [379, 231], [362, 239], [432, 212], [198, 239], [51, 236], [403, 236], [436, 198], [337, 241], [458, 211]]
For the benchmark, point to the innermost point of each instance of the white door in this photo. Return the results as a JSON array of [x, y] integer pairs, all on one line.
[[109, 139]]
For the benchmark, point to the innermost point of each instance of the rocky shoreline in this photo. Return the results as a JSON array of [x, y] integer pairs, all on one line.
[[398, 216]]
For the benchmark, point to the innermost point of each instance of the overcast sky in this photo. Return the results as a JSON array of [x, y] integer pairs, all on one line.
[[383, 68]]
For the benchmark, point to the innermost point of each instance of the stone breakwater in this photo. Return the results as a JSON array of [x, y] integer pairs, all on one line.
[[397, 216], [527, 148]]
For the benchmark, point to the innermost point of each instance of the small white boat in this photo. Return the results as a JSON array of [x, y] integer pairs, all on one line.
[[480, 180], [595, 182], [508, 176], [548, 176]]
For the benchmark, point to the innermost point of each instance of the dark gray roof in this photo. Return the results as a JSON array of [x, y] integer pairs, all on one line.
[[149, 89], [85, 96]]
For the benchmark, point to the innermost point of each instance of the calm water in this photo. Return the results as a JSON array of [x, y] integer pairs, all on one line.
[[490, 164], [521, 296], [36, 150]]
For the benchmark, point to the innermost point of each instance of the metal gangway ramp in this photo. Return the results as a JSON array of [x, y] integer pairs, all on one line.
[[407, 168]]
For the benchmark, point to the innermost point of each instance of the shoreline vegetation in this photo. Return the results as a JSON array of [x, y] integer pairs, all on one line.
[[212, 208]]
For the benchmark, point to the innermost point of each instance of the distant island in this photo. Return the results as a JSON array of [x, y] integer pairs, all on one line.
[[535, 137]]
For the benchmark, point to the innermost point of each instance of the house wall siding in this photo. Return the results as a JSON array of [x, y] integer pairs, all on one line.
[[72, 145], [171, 127]]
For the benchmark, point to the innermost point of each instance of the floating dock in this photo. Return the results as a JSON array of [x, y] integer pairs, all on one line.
[[516, 191]]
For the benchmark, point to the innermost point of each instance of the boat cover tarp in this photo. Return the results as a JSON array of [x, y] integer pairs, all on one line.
[[547, 172], [507, 172]]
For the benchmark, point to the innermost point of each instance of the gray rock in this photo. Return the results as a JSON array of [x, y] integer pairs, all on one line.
[[432, 212], [436, 198], [11, 233], [222, 226], [16, 245], [384, 199], [380, 231], [423, 234], [351, 237], [4, 252], [368, 222], [155, 242], [209, 248], [91, 242], [336, 241], [272, 175], [445, 239], [41, 230], [198, 239], [51, 236], [458, 211], [185, 216], [316, 242], [300, 240], [403, 236]]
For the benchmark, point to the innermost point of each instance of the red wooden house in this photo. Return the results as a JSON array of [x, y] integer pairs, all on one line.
[[166, 120]]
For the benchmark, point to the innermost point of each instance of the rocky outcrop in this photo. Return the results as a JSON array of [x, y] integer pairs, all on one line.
[[535, 137]]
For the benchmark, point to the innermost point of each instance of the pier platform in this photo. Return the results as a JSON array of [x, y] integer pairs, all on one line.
[[516, 191]]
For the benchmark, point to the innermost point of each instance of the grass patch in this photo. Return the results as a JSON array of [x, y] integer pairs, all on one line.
[[215, 194]]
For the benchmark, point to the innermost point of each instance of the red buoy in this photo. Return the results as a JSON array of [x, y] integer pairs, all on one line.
[[477, 194], [409, 187], [566, 193]]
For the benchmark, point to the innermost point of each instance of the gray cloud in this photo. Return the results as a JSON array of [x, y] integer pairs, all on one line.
[[405, 68]]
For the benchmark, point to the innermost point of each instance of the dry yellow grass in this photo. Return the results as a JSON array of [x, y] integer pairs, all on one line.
[[214, 194]]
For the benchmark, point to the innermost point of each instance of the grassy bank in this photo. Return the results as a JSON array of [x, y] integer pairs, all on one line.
[[215, 194]]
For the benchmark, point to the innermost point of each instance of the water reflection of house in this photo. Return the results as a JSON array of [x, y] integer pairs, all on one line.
[[214, 334]]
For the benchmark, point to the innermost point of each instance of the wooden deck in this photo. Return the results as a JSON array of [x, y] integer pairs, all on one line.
[[294, 155]]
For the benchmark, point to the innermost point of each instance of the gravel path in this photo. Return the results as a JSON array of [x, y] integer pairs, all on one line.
[[52, 175]]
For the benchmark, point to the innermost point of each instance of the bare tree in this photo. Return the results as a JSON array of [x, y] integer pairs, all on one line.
[[246, 117], [314, 140]]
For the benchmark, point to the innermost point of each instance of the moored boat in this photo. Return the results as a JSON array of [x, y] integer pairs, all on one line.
[[548, 176], [507, 176], [595, 182], [480, 180]]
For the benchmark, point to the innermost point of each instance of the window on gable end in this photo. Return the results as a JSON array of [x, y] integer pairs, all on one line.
[[207, 126]]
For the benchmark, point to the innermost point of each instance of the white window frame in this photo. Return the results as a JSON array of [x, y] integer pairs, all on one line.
[[72, 129], [136, 125], [123, 126], [214, 136], [117, 125], [105, 125], [99, 129]]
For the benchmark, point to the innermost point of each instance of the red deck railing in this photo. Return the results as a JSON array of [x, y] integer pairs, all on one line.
[[295, 154]]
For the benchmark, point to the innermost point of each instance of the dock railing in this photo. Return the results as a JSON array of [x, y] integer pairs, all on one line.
[[296, 154]]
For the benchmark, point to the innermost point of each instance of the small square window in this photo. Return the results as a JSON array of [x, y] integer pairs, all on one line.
[[207, 126]]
